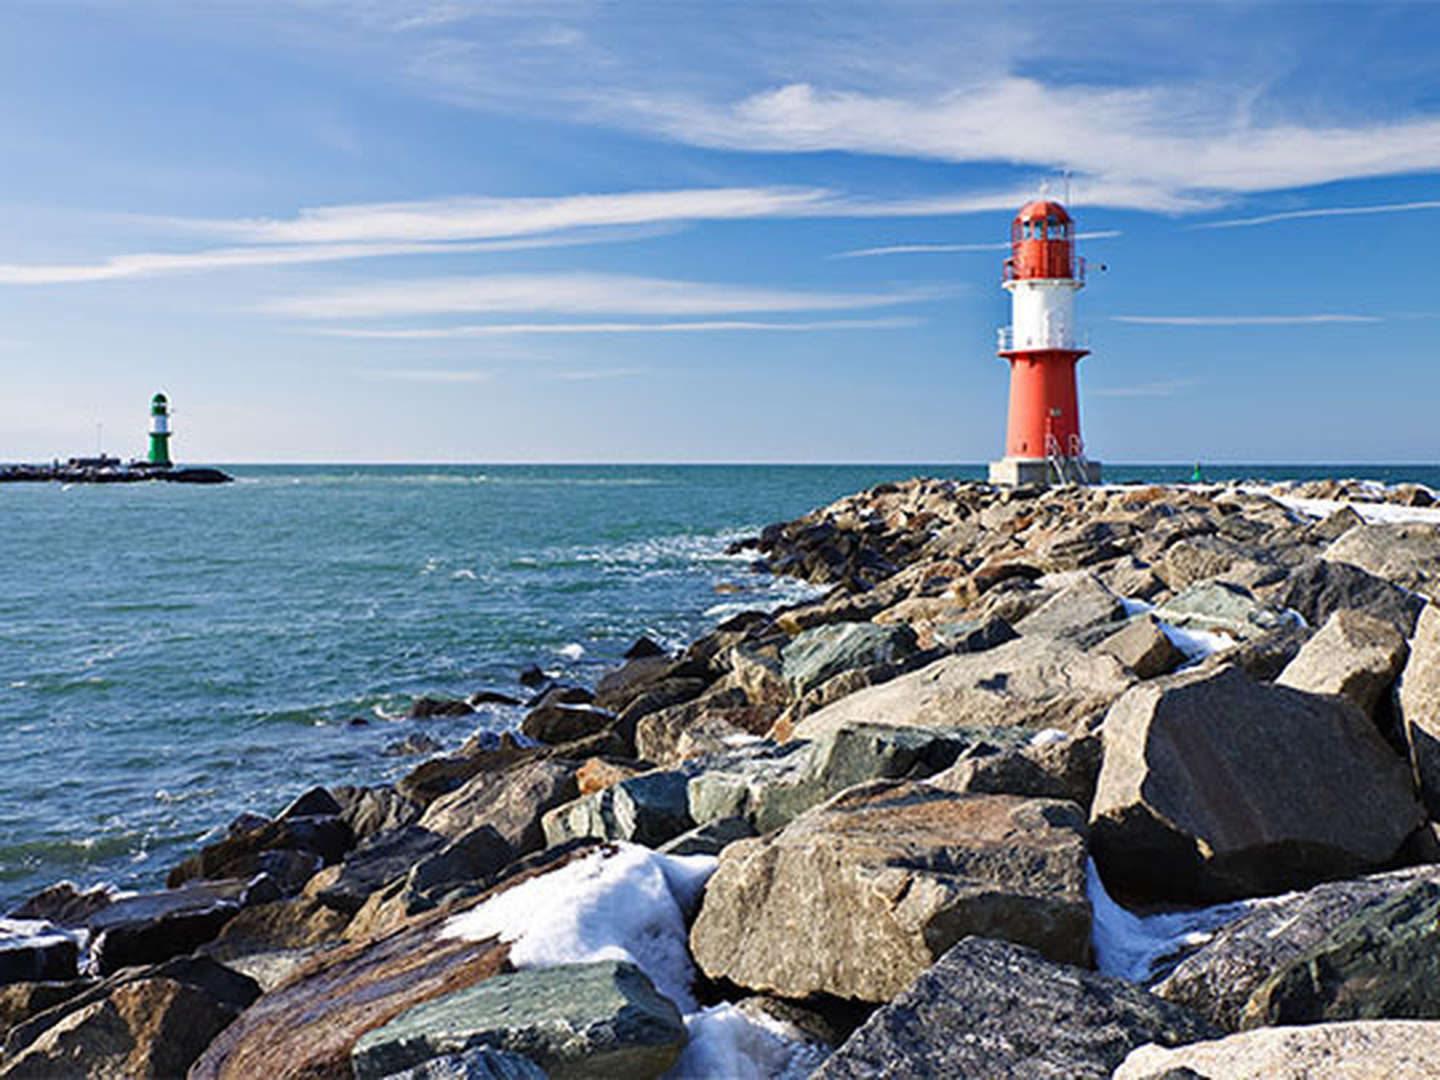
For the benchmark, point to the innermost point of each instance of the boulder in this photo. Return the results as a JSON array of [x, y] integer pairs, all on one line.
[[1032, 682], [618, 688], [1354, 655], [425, 708], [1383, 963], [1366, 1050], [64, 903], [1408, 555], [668, 736], [1201, 558], [381, 859], [1220, 978], [573, 1020], [759, 673], [152, 927], [823, 652], [22, 1000], [1143, 647], [1048, 765], [646, 809], [1216, 786], [1319, 588], [971, 635], [370, 810], [412, 745], [709, 839], [557, 723], [597, 774], [240, 854], [1419, 705], [995, 1010], [511, 800], [858, 896], [317, 802], [1078, 606], [142, 1022], [291, 924], [768, 785], [490, 697], [33, 950], [1220, 606]]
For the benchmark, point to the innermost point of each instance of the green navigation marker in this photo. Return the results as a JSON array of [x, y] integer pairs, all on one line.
[[160, 431]]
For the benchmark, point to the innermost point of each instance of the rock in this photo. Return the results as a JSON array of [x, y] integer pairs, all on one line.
[[239, 854], [642, 648], [531, 676], [823, 652], [971, 635], [1201, 558], [23, 1000], [317, 802], [1319, 588], [760, 675], [573, 1020], [646, 809], [995, 1010], [1221, 606], [1408, 555], [65, 904], [306, 1027], [476, 856], [1381, 963], [143, 1022], [1419, 706], [371, 810], [657, 696], [381, 859], [617, 689], [1143, 647], [1078, 606], [597, 774], [36, 951], [291, 924], [417, 742], [708, 839], [477, 1063], [511, 800], [1354, 655], [1047, 765], [769, 786], [1367, 1050], [152, 927], [424, 708], [1215, 786], [555, 723], [1262, 657], [151, 1027], [1033, 682], [1219, 979], [858, 896]]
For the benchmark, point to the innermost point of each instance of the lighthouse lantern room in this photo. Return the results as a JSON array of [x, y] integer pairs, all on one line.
[[1042, 275], [160, 432]]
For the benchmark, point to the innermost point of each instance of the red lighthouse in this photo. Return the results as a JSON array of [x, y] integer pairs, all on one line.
[[1042, 275]]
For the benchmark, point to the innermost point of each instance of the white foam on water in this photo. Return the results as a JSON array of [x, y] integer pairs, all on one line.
[[572, 651], [1134, 946], [463, 575]]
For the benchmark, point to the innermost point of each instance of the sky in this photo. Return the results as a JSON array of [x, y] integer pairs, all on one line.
[[674, 230]]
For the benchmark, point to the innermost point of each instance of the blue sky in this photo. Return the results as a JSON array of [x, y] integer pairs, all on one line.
[[587, 230]]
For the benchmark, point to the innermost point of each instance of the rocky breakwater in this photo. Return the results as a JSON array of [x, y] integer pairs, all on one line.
[[875, 834]]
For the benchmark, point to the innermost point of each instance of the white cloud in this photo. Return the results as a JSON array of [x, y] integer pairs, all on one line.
[[917, 249], [707, 326], [1320, 212], [1242, 320], [572, 293]]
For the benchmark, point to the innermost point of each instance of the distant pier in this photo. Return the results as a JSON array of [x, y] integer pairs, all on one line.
[[109, 470]]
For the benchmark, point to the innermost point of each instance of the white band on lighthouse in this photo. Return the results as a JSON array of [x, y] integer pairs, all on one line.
[[1042, 313], [159, 424]]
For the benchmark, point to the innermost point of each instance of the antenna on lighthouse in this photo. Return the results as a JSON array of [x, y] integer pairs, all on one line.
[[1067, 188]]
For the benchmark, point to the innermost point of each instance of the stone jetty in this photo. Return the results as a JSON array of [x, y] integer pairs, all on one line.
[[1084, 782]]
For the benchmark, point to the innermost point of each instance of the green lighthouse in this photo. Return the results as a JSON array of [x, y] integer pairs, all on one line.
[[160, 432]]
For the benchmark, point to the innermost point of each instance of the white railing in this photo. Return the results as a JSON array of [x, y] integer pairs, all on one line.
[[1059, 338]]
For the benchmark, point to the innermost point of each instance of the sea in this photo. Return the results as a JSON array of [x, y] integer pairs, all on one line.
[[172, 656]]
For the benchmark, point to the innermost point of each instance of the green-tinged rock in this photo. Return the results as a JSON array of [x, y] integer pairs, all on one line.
[[1084, 603], [574, 1021], [647, 809], [1221, 606], [823, 652], [477, 1063]]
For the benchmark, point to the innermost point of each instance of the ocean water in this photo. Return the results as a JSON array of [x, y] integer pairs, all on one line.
[[171, 656]]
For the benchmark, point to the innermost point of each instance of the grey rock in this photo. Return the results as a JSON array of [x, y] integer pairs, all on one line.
[[64, 904], [1320, 587], [22, 1000], [477, 1063], [709, 839], [511, 800], [822, 652], [152, 927], [972, 635], [1215, 786], [474, 857], [379, 860], [573, 1020], [647, 809], [1358, 1050], [1079, 606], [412, 745], [1408, 555], [619, 688], [1221, 606], [1354, 655], [1143, 647], [858, 896], [427, 707], [1032, 682], [995, 1010], [1381, 963], [41, 954], [999, 764], [315, 802], [240, 853], [1219, 979], [1419, 706], [371, 810]]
